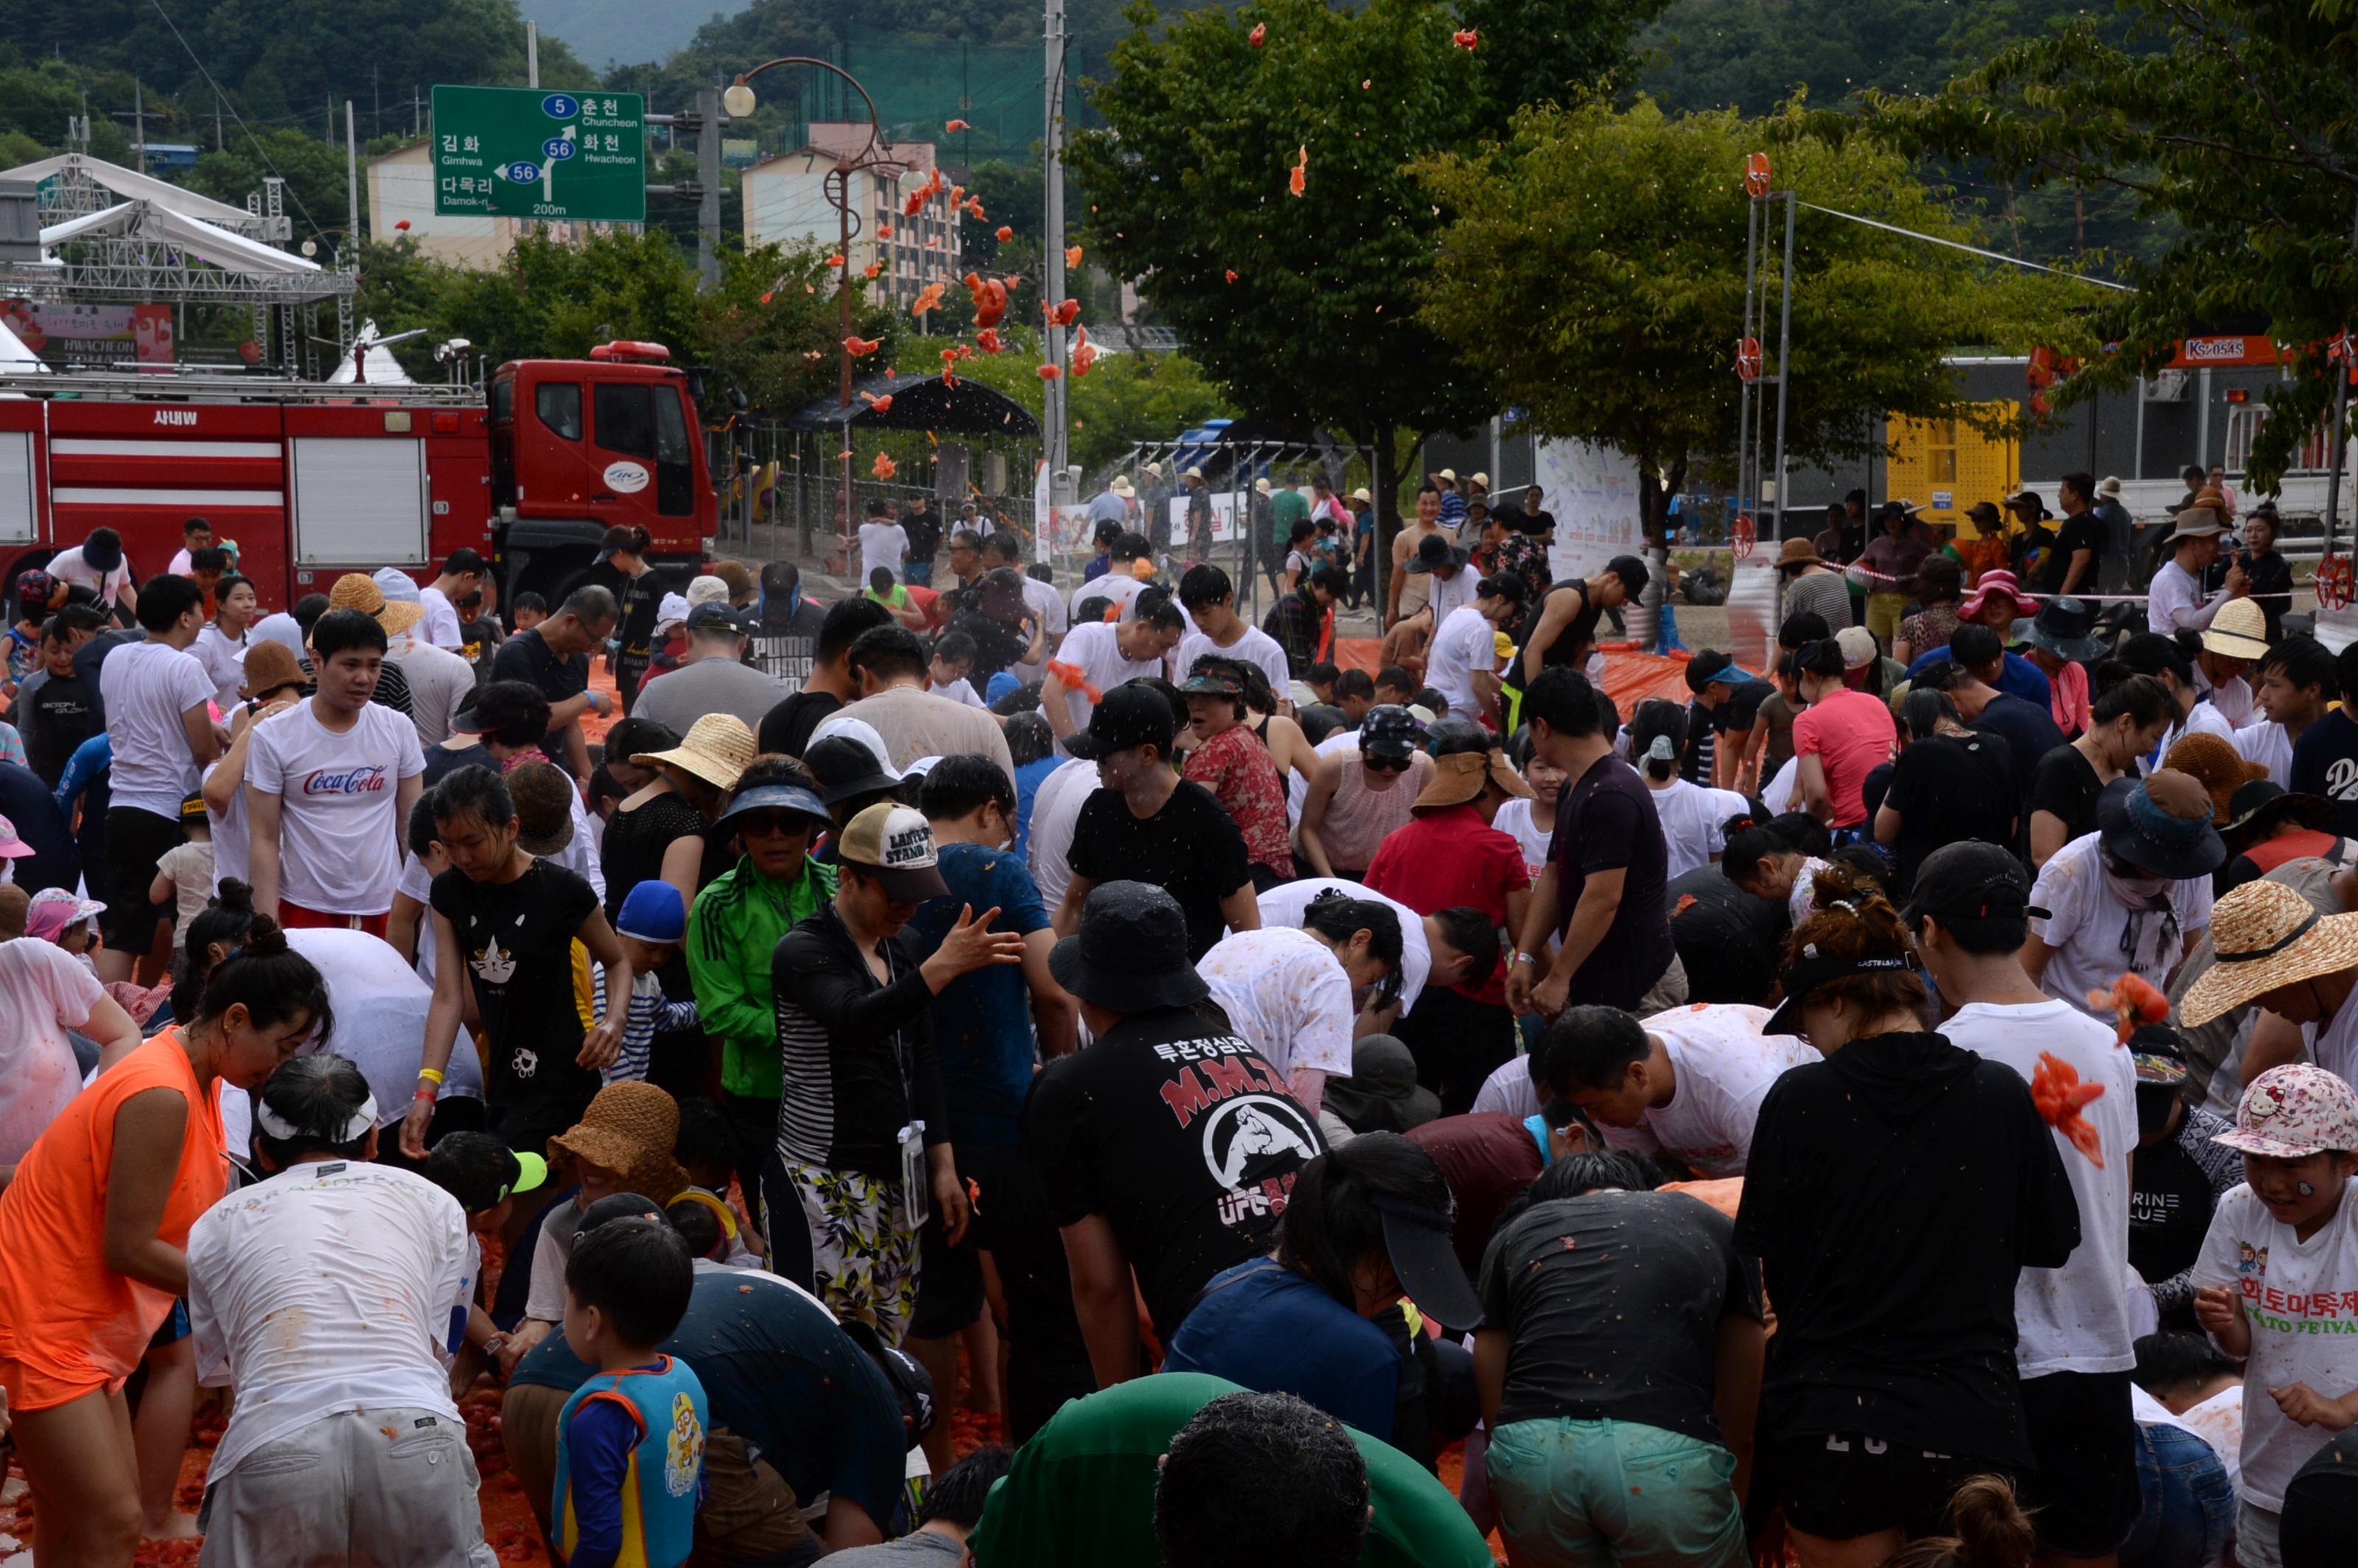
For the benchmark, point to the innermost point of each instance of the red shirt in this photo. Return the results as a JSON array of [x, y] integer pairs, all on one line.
[[1442, 860], [1236, 768], [1850, 733]]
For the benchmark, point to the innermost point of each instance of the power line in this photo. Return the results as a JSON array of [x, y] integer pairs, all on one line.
[[222, 98], [1971, 250]]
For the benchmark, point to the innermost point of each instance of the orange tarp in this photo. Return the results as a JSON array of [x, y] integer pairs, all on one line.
[[1631, 677]]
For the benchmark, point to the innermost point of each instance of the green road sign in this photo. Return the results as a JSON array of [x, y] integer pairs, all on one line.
[[521, 152]]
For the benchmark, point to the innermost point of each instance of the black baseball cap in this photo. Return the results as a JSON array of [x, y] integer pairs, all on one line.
[[715, 615], [1133, 714], [1969, 880]]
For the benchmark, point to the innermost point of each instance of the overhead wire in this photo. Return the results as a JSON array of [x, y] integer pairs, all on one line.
[[224, 100]]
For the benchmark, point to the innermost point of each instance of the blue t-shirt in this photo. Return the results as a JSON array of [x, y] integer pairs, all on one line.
[[1262, 1326], [2325, 763], [982, 1022], [1027, 785], [2020, 677]]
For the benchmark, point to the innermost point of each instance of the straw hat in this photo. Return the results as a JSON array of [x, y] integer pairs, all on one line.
[[358, 591], [1459, 777], [630, 1129], [2213, 762], [706, 589], [270, 667], [2240, 631], [716, 749], [1122, 487], [2110, 488], [2267, 935], [1798, 552], [2197, 522]]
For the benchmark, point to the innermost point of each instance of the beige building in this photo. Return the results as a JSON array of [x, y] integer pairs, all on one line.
[[786, 202], [401, 187]]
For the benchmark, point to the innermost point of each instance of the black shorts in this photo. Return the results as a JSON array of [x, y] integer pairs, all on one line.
[[2083, 1496], [1843, 1485], [949, 1278], [136, 840]]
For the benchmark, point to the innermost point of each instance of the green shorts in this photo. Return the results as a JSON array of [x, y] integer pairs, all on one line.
[[1586, 1494]]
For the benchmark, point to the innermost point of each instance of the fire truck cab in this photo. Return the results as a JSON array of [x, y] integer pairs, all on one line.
[[312, 480]]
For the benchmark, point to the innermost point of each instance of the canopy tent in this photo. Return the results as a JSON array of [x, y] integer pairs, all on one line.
[[920, 401], [133, 186], [155, 224], [14, 357]]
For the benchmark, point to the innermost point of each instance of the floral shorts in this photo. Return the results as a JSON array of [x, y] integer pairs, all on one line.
[[864, 1256]]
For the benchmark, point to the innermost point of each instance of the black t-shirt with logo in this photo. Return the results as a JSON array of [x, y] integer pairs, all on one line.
[[2325, 762], [516, 940], [55, 715], [785, 643], [1182, 1137], [1191, 848], [2170, 1200]]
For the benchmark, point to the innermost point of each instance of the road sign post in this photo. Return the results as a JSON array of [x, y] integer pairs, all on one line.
[[517, 152]]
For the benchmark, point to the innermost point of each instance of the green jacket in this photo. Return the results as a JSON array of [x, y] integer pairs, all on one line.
[[733, 931]]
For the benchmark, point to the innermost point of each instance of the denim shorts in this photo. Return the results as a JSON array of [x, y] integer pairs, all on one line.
[[2189, 1505], [1588, 1493]]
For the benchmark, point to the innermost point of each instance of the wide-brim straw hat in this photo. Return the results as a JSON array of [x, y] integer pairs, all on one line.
[[2197, 523], [716, 749], [2240, 631], [2265, 934], [630, 1128], [1459, 778], [358, 591], [1122, 487], [2213, 762], [1798, 552]]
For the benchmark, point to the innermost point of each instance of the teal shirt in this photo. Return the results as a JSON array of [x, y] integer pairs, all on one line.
[[1286, 507], [734, 927]]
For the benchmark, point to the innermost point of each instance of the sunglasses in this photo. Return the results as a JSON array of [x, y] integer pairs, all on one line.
[[772, 824], [1388, 764]]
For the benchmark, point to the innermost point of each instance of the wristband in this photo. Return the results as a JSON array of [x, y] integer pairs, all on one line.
[[1521, 959], [425, 1095], [431, 1075]]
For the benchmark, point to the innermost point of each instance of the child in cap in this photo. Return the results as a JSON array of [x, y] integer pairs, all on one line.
[[630, 1443], [62, 916], [651, 924], [2276, 1285], [486, 1177], [13, 849], [184, 876]]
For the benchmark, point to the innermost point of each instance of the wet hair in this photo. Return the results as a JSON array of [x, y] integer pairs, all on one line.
[[317, 1096], [2303, 661], [888, 653], [1319, 720], [846, 623], [1331, 1220], [624, 538], [230, 583], [164, 600], [1471, 933], [1029, 739], [1393, 676], [1320, 674], [960, 785], [957, 1495], [1657, 718], [1093, 608], [1155, 608], [2173, 1363], [1450, 735], [1261, 1478], [212, 558], [639, 1274], [273, 982], [2142, 698], [528, 600], [514, 713], [418, 833], [1746, 852], [1585, 1172], [1332, 578], [311, 606], [1003, 545], [194, 526], [474, 1168], [1132, 548], [480, 790], [1431, 700], [1921, 712], [1976, 646], [1856, 921], [72, 618], [1802, 626], [1593, 1047], [1337, 916], [224, 920], [343, 630], [698, 1226], [1204, 586], [776, 768], [635, 737], [1803, 832], [2151, 654], [1992, 1531], [1568, 703], [462, 562], [955, 648], [879, 581], [1020, 701]]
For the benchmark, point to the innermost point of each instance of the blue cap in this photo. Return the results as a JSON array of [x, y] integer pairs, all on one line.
[[998, 686], [654, 911]]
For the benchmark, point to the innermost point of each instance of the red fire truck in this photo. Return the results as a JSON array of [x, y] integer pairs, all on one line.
[[315, 480]]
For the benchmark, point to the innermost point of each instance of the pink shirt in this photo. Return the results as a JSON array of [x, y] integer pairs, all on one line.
[[1850, 732], [2066, 692]]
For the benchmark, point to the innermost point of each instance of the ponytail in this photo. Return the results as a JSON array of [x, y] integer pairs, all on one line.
[[225, 920], [1657, 733], [1992, 1531], [274, 983]]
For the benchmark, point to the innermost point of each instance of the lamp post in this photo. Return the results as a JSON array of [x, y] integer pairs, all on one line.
[[739, 101]]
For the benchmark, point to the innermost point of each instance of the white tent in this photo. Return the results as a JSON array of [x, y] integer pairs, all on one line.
[[383, 370], [15, 359], [148, 221], [134, 185]]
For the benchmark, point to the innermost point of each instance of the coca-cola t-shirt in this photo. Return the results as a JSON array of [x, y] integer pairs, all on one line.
[[1183, 1137], [339, 831]]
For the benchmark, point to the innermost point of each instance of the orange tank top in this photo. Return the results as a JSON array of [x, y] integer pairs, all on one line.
[[61, 1309]]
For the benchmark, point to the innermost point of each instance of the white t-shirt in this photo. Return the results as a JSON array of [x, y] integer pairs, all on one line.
[[338, 833], [1117, 586], [2074, 1318], [2219, 1421], [229, 835], [276, 1273], [441, 625], [147, 686], [282, 629], [225, 662], [1285, 904], [1465, 643], [2298, 1297], [2263, 741], [438, 680], [67, 565], [1514, 819], [881, 544], [1692, 816], [2231, 697], [44, 992], [1446, 595], [1725, 1067], [1509, 1089], [2202, 719], [1055, 812], [1094, 649], [2175, 601], [1285, 992], [1256, 647], [2085, 923], [1042, 600], [2333, 1044]]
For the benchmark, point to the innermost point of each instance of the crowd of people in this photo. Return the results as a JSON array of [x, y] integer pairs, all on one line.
[[1891, 1106]]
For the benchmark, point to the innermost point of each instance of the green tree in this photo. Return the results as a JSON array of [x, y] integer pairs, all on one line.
[[2236, 119], [1595, 267], [313, 171]]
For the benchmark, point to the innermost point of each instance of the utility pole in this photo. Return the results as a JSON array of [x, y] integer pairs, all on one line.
[[217, 120], [707, 178], [532, 54], [1784, 359], [376, 102], [1055, 425], [139, 122], [351, 187], [2341, 371]]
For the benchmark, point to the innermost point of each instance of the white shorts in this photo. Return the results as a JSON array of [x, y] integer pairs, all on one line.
[[393, 1488]]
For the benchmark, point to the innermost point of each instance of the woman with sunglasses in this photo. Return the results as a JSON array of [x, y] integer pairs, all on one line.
[[1358, 798]]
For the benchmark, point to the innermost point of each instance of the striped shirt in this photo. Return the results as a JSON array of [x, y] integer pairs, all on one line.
[[651, 1014]]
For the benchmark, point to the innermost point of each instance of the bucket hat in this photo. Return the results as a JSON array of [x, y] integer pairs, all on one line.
[[1997, 581], [55, 910], [2293, 1111], [2265, 935], [1381, 1095], [1435, 553], [544, 806], [2063, 627], [2161, 825], [2240, 631], [1131, 952], [270, 667], [2255, 809], [630, 1128], [2197, 522], [1798, 552], [716, 749], [1122, 487]]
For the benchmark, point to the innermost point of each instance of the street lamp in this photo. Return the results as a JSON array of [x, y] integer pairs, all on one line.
[[737, 100]]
